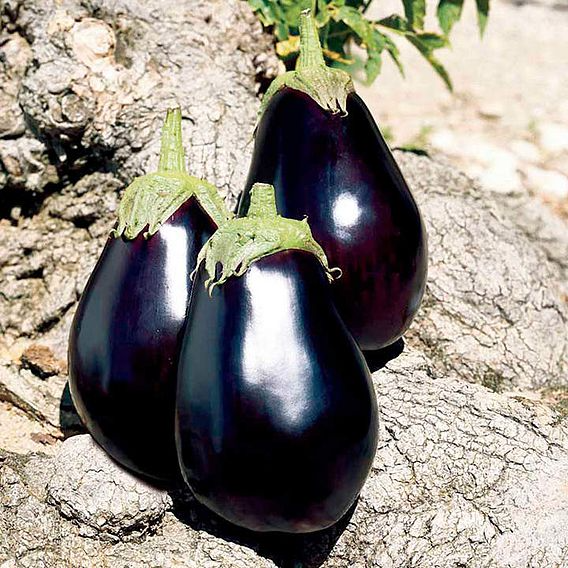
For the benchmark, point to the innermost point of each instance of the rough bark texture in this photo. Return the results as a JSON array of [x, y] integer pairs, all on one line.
[[462, 477], [105, 500], [495, 311], [466, 475]]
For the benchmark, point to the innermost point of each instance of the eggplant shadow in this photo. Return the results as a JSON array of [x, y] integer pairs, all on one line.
[[378, 359], [69, 420], [308, 550]]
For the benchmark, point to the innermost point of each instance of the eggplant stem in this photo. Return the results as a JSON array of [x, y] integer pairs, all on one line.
[[240, 242], [262, 201], [172, 155], [311, 52], [151, 199], [327, 86]]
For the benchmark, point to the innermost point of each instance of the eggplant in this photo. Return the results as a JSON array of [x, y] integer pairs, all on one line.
[[276, 420], [125, 335], [318, 144]]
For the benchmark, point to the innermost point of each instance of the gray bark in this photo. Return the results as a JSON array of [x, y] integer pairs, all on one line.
[[494, 311], [106, 501], [462, 477], [465, 475]]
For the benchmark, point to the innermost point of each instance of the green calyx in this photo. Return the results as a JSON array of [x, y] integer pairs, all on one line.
[[327, 86], [151, 199], [242, 241]]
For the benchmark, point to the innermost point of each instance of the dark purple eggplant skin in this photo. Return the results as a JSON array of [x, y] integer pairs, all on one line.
[[125, 341], [338, 171], [276, 422]]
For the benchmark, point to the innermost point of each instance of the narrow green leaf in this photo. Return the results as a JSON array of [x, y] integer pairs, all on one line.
[[395, 23], [449, 12], [482, 14], [432, 40], [415, 11], [393, 51], [373, 66], [431, 58]]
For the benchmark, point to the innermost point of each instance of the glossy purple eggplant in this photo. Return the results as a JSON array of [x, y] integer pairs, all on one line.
[[125, 341], [276, 415], [336, 169], [126, 333]]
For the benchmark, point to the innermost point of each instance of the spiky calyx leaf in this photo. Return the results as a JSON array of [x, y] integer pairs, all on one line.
[[242, 241], [327, 86], [151, 199]]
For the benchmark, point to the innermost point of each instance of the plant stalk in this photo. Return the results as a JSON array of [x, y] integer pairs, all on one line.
[[311, 53], [262, 201], [172, 155]]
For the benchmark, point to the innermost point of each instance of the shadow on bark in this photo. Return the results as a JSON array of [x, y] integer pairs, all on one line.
[[69, 420], [379, 358], [285, 550], [71, 425]]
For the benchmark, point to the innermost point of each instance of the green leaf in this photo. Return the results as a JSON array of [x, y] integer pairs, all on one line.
[[395, 23], [428, 54], [291, 10], [268, 12], [393, 51], [322, 16], [425, 42], [352, 18], [336, 36], [373, 41], [373, 65], [432, 40], [482, 14], [449, 12], [271, 14], [415, 11], [340, 21]]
